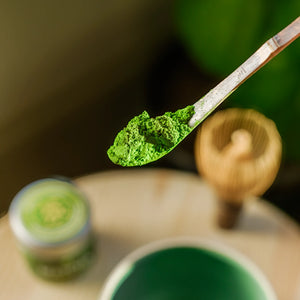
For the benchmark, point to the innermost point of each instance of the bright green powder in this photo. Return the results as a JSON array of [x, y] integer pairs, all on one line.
[[146, 139]]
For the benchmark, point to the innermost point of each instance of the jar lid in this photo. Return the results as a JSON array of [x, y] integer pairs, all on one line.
[[49, 212]]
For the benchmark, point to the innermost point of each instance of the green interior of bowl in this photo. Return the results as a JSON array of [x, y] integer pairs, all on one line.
[[188, 273]]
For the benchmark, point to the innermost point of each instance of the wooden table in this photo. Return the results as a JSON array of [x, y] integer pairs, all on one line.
[[135, 206]]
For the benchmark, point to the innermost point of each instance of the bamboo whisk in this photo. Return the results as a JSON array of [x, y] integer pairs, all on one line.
[[238, 151]]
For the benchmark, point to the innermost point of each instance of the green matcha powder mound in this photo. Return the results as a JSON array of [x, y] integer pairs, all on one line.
[[146, 139]]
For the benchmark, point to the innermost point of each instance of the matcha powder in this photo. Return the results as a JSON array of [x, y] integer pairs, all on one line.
[[146, 139]]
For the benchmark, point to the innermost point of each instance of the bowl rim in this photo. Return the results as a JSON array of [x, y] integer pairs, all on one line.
[[126, 264]]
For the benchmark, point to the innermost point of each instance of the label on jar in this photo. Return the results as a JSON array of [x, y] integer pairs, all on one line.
[[62, 268]]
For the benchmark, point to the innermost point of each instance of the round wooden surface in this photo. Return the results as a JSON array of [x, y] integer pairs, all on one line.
[[133, 207]]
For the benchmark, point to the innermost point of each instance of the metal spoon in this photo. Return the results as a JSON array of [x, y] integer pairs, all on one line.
[[213, 98], [264, 54]]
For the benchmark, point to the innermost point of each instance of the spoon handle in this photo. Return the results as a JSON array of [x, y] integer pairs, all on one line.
[[265, 53]]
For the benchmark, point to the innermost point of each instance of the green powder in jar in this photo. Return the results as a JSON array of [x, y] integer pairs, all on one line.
[[146, 139]]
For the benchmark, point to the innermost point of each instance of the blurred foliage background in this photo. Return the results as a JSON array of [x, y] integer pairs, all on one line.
[[219, 35], [74, 72]]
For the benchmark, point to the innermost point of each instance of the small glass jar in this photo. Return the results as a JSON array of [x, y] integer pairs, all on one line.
[[50, 219]]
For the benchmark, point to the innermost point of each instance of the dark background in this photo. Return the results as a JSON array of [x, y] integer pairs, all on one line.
[[77, 71]]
